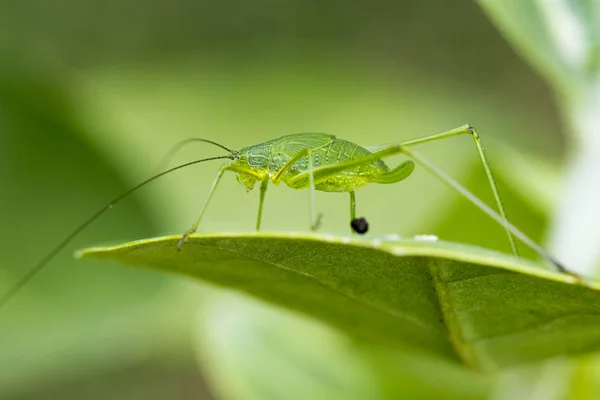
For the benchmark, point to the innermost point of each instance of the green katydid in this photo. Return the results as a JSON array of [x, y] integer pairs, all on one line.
[[319, 161]]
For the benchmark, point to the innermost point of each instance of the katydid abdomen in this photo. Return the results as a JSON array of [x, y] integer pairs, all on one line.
[[336, 152]]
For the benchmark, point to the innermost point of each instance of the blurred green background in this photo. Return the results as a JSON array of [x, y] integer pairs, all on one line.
[[93, 93]]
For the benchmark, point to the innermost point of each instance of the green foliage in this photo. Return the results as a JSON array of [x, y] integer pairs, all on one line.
[[372, 74], [561, 39], [45, 165], [483, 309], [314, 361]]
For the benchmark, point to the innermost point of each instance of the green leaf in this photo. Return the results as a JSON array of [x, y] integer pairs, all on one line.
[[66, 324], [484, 309], [257, 351], [560, 38]]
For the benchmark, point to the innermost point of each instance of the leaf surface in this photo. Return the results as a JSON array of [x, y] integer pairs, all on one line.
[[484, 309]]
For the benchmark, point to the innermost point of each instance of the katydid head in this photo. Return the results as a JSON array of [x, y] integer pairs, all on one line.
[[255, 157], [252, 161]]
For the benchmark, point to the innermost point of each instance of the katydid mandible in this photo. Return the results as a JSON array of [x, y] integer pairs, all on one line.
[[319, 161]]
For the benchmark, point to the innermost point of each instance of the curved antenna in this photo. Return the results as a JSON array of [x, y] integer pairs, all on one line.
[[37, 268], [175, 149]]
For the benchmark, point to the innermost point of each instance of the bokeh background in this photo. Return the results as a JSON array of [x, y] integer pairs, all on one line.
[[92, 94]]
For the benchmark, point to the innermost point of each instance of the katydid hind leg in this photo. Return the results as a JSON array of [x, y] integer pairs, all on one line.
[[442, 176], [397, 174], [469, 130], [194, 227], [323, 173]]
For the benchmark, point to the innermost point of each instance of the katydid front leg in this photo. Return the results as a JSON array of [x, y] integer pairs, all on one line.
[[194, 227]]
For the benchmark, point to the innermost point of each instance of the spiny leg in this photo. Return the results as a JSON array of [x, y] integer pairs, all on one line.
[[469, 130], [195, 226], [263, 191]]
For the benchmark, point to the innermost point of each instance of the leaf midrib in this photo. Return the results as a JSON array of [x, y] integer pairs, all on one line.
[[462, 348]]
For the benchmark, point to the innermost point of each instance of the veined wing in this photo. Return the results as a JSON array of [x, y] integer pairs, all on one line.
[[293, 144]]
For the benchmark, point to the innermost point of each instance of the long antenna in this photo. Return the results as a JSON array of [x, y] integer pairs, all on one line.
[[36, 269], [175, 149]]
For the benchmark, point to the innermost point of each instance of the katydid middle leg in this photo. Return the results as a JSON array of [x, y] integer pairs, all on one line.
[[263, 190], [315, 220]]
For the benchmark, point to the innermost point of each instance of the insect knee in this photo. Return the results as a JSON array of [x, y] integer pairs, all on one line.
[[472, 131]]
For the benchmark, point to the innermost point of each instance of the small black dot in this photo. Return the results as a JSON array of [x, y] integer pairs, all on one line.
[[360, 225]]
